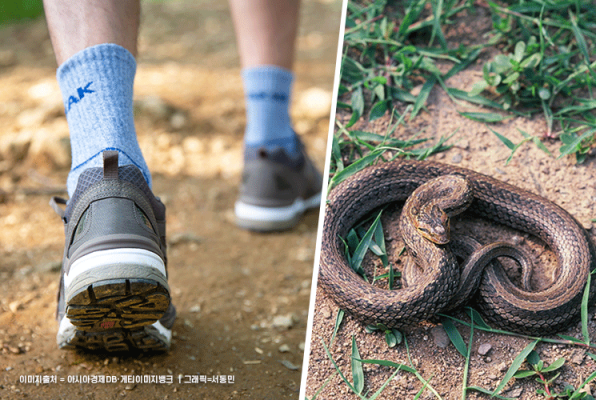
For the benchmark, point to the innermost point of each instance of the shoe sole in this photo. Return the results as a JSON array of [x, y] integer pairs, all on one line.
[[116, 289], [266, 219], [152, 338]]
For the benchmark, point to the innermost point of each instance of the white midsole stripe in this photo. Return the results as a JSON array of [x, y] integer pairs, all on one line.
[[252, 212], [103, 258]]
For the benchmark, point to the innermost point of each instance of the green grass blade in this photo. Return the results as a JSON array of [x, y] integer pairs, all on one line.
[[423, 96], [455, 336], [577, 393], [338, 319], [357, 106], [336, 153], [387, 363], [581, 42], [517, 362], [570, 338], [314, 396], [355, 167], [510, 145], [484, 117], [485, 391], [477, 99], [357, 371], [380, 241], [364, 244], [584, 311], [378, 392], [339, 370]]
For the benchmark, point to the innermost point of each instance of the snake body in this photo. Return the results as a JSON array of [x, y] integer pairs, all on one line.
[[501, 302]]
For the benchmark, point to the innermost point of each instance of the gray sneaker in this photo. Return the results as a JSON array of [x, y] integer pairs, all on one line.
[[276, 189], [114, 293]]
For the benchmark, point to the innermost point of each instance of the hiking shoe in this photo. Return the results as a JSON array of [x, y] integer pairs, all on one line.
[[276, 189], [114, 293]]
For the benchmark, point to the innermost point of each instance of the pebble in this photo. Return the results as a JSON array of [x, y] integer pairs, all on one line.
[[284, 348], [578, 357], [301, 346], [283, 321], [440, 336], [326, 312], [456, 159], [178, 120], [130, 387], [195, 309], [502, 367], [289, 365], [484, 349], [515, 392]]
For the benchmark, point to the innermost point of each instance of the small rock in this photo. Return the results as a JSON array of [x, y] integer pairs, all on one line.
[[130, 386], [456, 158], [463, 144], [578, 357], [492, 376], [500, 171], [283, 321], [326, 312], [106, 361], [301, 346], [195, 309], [484, 349], [289, 365], [284, 348], [440, 336], [488, 360], [515, 392], [178, 120], [502, 367]]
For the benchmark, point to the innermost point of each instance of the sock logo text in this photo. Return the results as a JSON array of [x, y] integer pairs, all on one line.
[[81, 93]]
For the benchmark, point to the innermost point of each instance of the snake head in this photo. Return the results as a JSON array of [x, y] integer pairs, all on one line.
[[433, 224]]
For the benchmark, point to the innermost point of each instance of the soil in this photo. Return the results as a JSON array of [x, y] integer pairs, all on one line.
[[242, 297], [475, 147]]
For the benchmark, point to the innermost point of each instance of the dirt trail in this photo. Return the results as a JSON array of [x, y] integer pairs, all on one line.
[[242, 298]]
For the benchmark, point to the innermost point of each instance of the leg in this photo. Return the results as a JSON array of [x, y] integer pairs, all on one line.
[[95, 42], [113, 291], [90, 23], [279, 181], [265, 31]]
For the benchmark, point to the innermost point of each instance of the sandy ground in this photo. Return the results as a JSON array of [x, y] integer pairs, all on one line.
[[571, 186], [242, 298]]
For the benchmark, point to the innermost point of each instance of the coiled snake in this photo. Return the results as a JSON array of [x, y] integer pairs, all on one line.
[[501, 301]]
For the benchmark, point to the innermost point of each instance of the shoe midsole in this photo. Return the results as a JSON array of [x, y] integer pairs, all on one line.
[[145, 263], [260, 213]]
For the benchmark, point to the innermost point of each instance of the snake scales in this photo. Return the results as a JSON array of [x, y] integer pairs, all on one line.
[[501, 302]]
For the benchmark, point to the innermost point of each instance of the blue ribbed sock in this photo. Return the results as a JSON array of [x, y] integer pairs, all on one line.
[[96, 85], [267, 89]]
